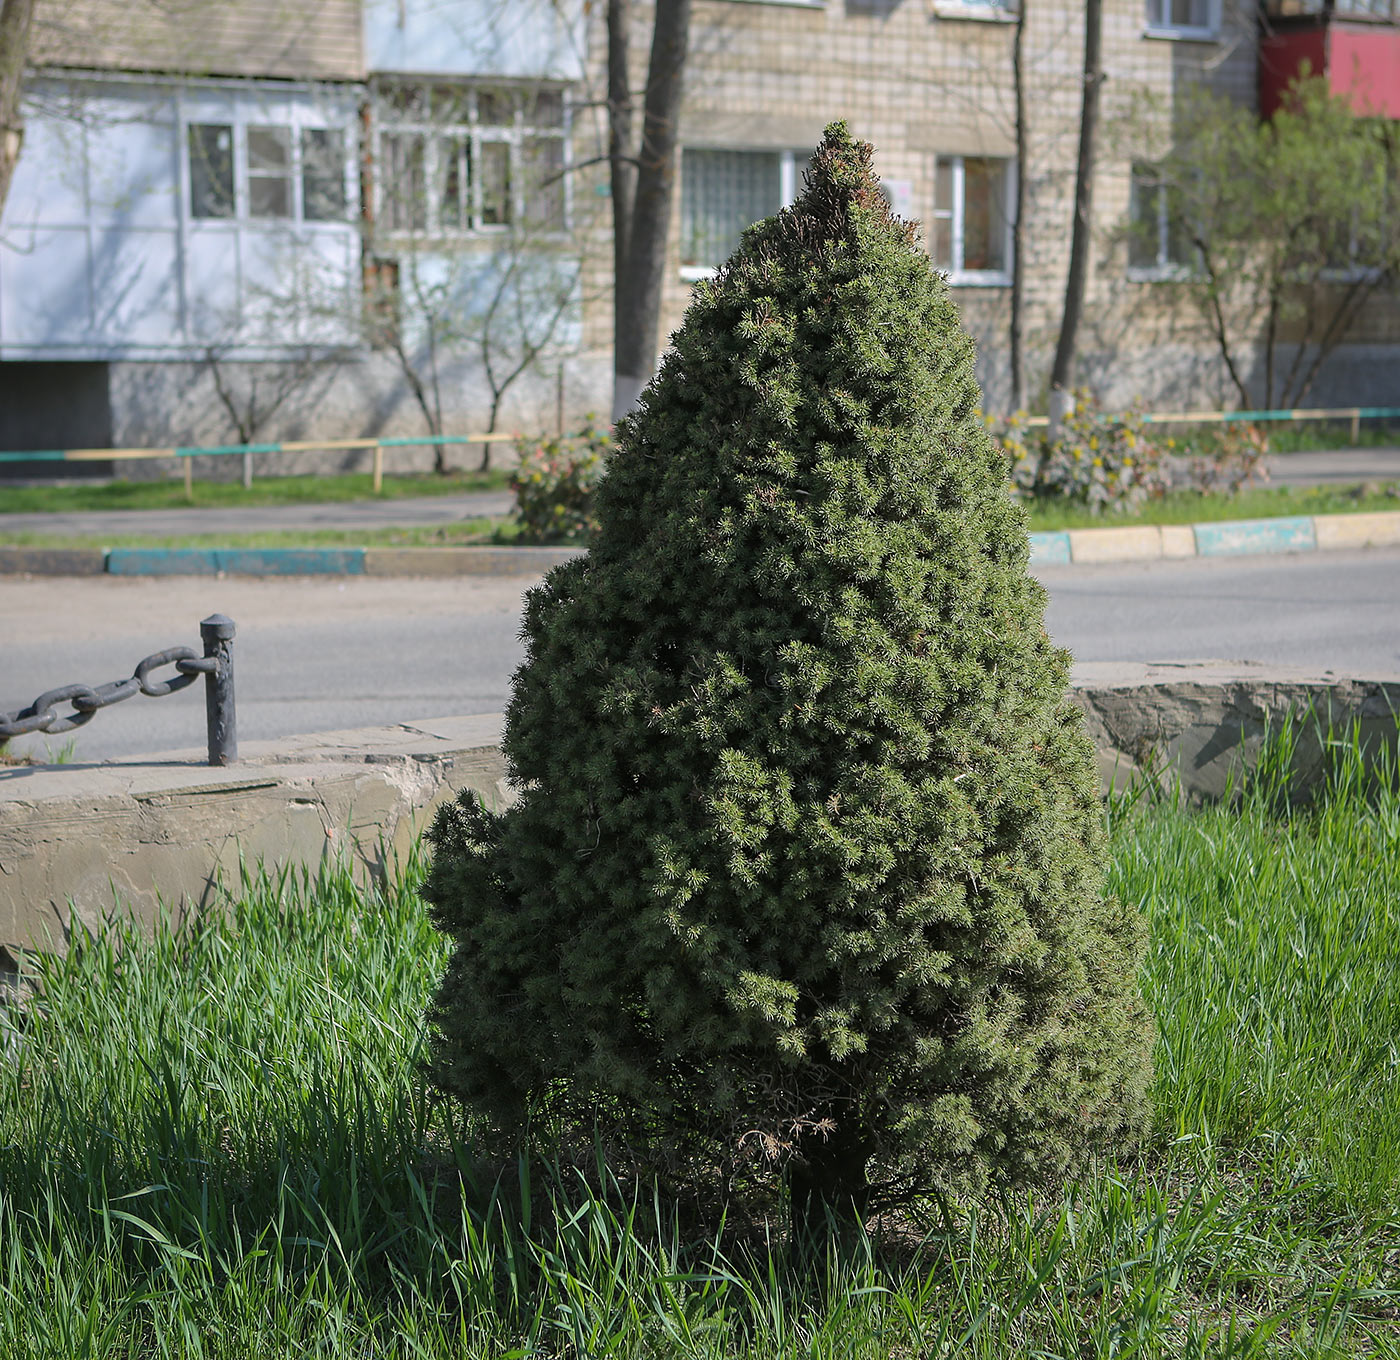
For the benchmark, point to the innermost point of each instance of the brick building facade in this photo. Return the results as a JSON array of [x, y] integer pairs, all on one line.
[[219, 194]]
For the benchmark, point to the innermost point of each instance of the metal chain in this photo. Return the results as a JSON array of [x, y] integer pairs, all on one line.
[[41, 715]]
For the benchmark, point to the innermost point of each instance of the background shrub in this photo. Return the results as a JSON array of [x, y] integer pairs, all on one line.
[[554, 484]]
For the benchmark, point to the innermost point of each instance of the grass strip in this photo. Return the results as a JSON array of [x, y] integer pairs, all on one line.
[[298, 490], [218, 1142], [1176, 508]]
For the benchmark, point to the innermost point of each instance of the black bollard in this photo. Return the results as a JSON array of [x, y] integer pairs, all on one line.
[[217, 632]]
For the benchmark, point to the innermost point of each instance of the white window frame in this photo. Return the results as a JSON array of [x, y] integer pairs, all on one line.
[[957, 276], [1165, 270], [789, 173], [240, 120], [473, 134], [980, 11], [1210, 32]]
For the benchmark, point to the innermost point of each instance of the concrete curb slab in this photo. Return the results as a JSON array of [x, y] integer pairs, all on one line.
[[52, 561], [1233, 538], [1377, 530], [236, 561], [465, 561]]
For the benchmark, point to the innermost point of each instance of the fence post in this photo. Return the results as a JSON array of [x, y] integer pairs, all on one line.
[[189, 478], [217, 632], [247, 472], [377, 483], [1356, 427]]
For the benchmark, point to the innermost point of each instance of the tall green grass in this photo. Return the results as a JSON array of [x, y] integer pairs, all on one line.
[[218, 1143]]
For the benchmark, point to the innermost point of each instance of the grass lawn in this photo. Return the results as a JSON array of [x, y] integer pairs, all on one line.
[[218, 1144], [170, 495], [1190, 507]]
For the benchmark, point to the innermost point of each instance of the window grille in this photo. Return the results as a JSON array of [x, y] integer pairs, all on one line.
[[269, 172], [459, 158], [722, 193]]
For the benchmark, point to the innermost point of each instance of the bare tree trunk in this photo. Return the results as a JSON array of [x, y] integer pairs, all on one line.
[[1018, 301], [639, 281], [15, 16], [621, 161], [1062, 373]]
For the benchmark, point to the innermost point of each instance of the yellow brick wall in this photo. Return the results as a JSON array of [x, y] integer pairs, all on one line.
[[293, 39]]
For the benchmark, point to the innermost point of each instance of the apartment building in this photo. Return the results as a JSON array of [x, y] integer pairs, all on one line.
[[271, 219], [321, 218]]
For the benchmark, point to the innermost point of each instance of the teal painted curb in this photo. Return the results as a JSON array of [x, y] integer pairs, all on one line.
[[1050, 549], [236, 561], [1232, 538]]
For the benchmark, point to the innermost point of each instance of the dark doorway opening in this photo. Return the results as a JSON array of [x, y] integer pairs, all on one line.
[[54, 406]]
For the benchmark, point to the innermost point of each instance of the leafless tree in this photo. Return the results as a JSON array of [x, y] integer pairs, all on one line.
[[16, 19]]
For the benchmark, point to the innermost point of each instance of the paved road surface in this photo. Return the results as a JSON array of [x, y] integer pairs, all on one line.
[[1334, 466], [316, 654]]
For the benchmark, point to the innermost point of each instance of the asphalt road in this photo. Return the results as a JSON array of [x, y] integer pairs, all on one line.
[[318, 654]]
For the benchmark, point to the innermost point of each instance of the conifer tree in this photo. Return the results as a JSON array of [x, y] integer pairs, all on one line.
[[808, 852]]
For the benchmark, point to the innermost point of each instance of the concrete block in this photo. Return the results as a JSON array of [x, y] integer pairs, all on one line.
[[236, 561], [1129, 544], [1232, 538], [1196, 727], [465, 561], [167, 834], [1050, 549], [1178, 540], [1357, 531], [52, 561]]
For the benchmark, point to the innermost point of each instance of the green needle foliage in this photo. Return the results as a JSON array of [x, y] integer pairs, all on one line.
[[808, 860]]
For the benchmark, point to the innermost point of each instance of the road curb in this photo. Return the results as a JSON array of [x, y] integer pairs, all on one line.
[[1216, 538], [1060, 547], [236, 562]]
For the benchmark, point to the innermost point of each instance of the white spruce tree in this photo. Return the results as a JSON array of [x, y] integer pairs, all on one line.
[[808, 842]]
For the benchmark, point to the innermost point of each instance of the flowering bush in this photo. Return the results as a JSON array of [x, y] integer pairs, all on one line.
[[1230, 460], [1022, 448], [554, 484], [1103, 462]]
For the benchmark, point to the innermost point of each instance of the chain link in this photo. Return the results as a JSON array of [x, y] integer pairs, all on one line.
[[42, 716]]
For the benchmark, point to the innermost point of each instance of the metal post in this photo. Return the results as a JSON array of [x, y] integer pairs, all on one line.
[[377, 481], [217, 632], [1355, 428]]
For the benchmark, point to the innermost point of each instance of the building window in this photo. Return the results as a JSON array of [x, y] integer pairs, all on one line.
[[323, 174], [1183, 18], [285, 174], [722, 194], [211, 170], [1159, 245], [972, 218], [269, 172], [458, 159]]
